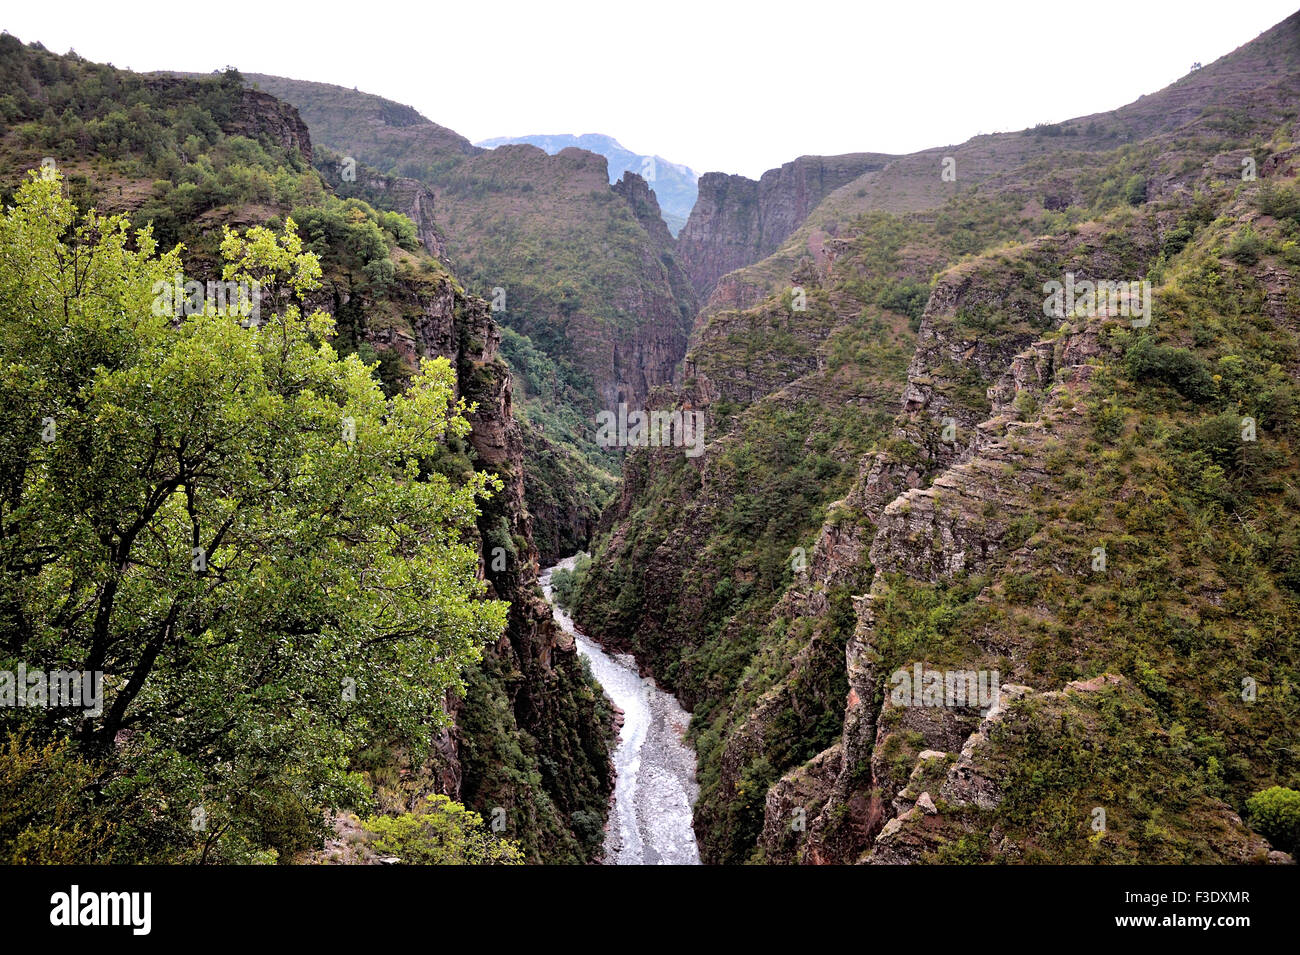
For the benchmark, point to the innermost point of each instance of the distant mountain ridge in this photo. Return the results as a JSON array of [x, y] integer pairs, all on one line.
[[674, 184]]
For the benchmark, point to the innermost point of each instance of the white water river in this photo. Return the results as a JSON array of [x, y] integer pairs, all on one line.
[[655, 789]]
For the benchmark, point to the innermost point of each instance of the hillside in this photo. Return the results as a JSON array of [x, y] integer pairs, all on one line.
[[674, 185], [911, 464], [511, 720]]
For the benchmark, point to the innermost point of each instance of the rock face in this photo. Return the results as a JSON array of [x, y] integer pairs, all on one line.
[[533, 668], [737, 221], [650, 357], [530, 696], [673, 183], [723, 231], [414, 200], [261, 114], [944, 510]]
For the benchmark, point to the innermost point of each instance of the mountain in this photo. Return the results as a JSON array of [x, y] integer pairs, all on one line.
[[738, 221], [674, 184], [594, 306], [916, 464], [528, 731]]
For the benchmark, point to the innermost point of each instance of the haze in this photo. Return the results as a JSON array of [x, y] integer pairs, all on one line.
[[738, 88]]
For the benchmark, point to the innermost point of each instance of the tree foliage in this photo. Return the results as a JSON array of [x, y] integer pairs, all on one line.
[[1276, 813], [232, 523], [442, 832]]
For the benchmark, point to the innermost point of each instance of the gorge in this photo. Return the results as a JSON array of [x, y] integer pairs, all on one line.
[[879, 444], [654, 789]]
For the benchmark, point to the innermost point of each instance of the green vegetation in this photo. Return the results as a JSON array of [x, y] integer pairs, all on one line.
[[378, 286], [565, 582], [207, 530], [442, 832], [1276, 813], [1190, 488]]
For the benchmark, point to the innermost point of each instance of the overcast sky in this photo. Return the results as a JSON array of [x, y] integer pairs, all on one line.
[[739, 87]]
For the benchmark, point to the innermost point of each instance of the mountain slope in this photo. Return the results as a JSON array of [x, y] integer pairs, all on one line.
[[674, 184], [779, 582], [530, 732]]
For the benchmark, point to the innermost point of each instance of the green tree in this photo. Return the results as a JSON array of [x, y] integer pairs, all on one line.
[[442, 833], [234, 525]]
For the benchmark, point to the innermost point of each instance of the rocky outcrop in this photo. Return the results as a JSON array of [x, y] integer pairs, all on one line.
[[723, 230], [260, 114], [649, 357], [969, 783], [533, 669], [939, 501], [674, 184], [410, 197], [737, 221]]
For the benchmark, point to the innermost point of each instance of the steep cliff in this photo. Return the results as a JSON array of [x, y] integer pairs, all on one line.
[[532, 734], [737, 221], [1103, 656]]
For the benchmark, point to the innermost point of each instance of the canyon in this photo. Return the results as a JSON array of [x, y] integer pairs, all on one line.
[[921, 314], [900, 460]]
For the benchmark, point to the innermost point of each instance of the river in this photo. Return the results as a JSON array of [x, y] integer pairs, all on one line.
[[650, 823]]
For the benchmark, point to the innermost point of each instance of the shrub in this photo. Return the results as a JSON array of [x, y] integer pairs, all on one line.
[[1176, 239], [1177, 367], [443, 833], [46, 816], [1280, 202], [1276, 813], [1135, 190], [1246, 246]]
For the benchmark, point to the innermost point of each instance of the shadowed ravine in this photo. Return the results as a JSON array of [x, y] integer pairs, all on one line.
[[650, 823]]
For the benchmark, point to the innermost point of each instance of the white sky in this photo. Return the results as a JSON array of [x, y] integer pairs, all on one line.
[[738, 87]]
